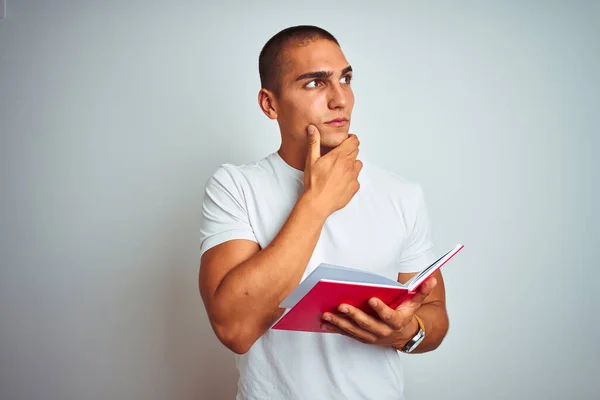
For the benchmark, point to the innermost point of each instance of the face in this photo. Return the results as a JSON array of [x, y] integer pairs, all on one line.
[[315, 89]]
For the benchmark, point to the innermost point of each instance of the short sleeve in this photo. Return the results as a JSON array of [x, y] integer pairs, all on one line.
[[224, 215], [418, 252]]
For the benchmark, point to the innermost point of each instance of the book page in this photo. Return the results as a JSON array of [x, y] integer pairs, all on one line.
[[427, 272], [335, 273]]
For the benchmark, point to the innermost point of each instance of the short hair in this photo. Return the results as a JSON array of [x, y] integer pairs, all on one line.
[[271, 60]]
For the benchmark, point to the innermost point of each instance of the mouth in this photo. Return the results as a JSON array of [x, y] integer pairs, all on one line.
[[338, 122]]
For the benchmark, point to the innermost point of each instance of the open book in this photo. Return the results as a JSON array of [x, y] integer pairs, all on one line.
[[328, 286]]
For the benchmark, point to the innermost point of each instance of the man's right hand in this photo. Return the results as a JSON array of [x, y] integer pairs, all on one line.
[[332, 179]]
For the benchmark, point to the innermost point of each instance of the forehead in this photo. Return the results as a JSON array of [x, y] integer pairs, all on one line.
[[316, 55]]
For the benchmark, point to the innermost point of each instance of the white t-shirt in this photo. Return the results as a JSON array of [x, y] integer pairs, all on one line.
[[383, 229]]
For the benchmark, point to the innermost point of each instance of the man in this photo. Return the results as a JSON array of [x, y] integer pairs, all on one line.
[[266, 225]]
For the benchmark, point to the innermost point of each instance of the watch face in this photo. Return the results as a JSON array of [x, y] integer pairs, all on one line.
[[415, 341]]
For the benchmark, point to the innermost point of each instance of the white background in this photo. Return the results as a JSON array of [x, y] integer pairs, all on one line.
[[113, 114]]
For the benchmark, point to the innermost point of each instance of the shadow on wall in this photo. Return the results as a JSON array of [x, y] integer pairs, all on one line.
[[215, 367], [200, 367]]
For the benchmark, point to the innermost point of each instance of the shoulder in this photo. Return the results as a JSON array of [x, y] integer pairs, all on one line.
[[242, 174]]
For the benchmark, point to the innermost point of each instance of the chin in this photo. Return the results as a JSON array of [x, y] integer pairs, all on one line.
[[331, 138]]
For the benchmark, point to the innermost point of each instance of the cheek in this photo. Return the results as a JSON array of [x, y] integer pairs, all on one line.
[[302, 110], [316, 109], [350, 99], [306, 111]]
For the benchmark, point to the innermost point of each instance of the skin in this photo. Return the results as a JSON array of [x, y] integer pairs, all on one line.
[[307, 96], [242, 284]]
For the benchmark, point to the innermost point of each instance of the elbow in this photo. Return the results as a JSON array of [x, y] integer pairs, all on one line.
[[238, 346], [442, 335], [235, 339], [235, 334]]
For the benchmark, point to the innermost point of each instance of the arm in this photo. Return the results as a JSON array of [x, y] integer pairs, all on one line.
[[240, 284], [432, 312]]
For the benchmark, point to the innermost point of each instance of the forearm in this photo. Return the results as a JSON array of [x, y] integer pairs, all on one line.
[[247, 299], [435, 319]]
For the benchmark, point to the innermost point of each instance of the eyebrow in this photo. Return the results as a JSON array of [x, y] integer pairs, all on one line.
[[322, 74]]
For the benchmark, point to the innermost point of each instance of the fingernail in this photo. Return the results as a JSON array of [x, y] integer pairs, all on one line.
[[374, 303], [344, 310], [327, 318]]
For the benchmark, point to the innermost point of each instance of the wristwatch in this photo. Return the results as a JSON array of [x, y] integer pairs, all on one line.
[[417, 339]]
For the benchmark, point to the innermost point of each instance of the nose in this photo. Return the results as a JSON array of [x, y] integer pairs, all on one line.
[[337, 97]]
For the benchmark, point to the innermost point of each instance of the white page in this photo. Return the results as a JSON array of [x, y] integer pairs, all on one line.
[[334, 273], [425, 273]]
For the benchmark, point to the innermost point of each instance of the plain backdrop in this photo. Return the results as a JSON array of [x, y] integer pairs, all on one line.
[[113, 114]]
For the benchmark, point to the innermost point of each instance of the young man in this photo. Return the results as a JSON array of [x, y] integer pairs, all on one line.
[[266, 225]]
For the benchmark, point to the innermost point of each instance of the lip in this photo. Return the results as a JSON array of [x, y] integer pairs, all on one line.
[[337, 122]]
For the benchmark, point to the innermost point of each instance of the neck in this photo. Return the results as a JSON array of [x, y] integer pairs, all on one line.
[[295, 155]]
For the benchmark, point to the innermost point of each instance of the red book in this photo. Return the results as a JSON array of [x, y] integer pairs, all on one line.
[[328, 286]]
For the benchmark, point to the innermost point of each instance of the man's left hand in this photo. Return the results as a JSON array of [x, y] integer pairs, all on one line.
[[392, 328]]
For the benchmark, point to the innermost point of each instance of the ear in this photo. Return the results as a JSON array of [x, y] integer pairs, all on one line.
[[267, 103]]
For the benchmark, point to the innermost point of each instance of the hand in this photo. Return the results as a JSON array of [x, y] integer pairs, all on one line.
[[391, 328], [333, 178]]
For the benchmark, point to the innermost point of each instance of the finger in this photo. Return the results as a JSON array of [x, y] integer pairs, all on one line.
[[424, 290], [358, 165], [388, 315], [411, 305], [352, 143], [365, 321], [350, 327], [314, 145], [349, 144], [354, 153], [326, 326]]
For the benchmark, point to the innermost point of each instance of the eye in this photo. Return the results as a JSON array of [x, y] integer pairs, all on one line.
[[346, 79], [313, 84]]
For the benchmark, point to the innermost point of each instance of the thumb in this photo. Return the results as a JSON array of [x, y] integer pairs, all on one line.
[[423, 291], [412, 305], [314, 145]]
